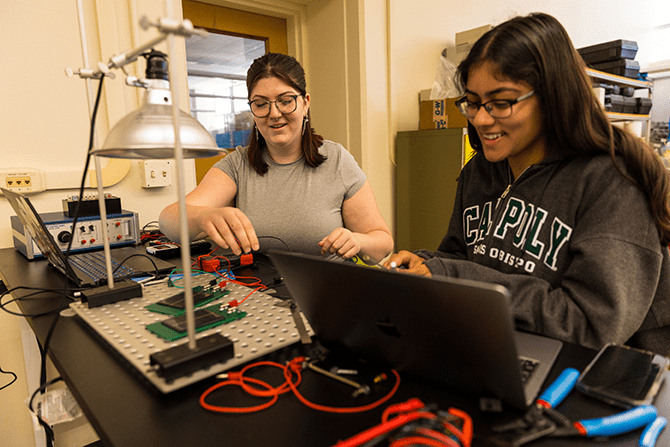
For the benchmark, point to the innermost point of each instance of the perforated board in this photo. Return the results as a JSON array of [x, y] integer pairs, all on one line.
[[266, 328]]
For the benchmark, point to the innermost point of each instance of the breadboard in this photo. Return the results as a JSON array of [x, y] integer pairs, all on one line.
[[267, 327]]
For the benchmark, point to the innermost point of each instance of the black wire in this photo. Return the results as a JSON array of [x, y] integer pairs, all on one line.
[[47, 428], [153, 224], [36, 291], [45, 348], [280, 240], [135, 273], [136, 255], [7, 372]]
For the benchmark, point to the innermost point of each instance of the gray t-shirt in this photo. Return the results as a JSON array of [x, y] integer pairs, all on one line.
[[293, 206]]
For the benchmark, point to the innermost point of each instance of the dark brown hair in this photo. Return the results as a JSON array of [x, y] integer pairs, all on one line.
[[291, 72], [537, 49]]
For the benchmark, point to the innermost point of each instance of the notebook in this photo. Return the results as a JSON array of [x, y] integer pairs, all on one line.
[[453, 331], [89, 268]]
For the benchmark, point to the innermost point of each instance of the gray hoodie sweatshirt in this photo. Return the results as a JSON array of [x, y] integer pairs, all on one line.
[[574, 242]]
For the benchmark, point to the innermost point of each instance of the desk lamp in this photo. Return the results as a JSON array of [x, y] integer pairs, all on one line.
[[159, 130]]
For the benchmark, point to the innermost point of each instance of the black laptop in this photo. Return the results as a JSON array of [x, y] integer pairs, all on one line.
[[87, 269], [453, 331]]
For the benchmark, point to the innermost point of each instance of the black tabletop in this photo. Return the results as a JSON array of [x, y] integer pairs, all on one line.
[[126, 410]]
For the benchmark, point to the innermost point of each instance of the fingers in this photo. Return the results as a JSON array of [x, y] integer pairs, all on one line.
[[408, 262], [230, 228], [400, 259], [341, 242]]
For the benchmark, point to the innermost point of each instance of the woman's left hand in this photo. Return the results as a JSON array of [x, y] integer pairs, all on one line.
[[341, 242]]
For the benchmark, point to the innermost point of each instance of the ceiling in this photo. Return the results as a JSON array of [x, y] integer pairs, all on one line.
[[220, 55]]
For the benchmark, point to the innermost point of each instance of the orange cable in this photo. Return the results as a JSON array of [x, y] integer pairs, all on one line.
[[293, 367]]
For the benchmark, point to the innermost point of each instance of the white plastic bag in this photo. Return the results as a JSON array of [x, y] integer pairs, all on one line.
[[444, 85], [57, 406]]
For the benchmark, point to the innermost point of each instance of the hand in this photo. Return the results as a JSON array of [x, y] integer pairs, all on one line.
[[341, 242], [229, 228], [408, 262]]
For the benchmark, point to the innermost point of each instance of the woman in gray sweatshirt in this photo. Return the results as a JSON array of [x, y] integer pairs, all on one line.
[[567, 211]]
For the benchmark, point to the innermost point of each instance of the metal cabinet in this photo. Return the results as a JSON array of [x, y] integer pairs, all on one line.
[[427, 166]]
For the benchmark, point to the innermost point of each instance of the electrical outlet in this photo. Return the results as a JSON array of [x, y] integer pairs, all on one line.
[[23, 180], [155, 173]]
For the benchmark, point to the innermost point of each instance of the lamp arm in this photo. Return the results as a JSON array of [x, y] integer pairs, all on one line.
[[165, 26]]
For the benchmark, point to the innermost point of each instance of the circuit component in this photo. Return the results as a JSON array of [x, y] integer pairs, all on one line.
[[180, 360], [175, 305], [206, 318]]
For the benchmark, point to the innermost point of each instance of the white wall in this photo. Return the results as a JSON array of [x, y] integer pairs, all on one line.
[[421, 29], [44, 124], [45, 121], [44, 118]]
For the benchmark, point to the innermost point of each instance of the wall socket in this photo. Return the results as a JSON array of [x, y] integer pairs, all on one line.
[[23, 180], [155, 173]]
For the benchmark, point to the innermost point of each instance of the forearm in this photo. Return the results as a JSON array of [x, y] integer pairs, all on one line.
[[375, 245], [169, 223]]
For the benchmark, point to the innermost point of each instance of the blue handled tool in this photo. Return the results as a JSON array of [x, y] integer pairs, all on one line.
[[561, 387], [543, 420], [650, 434]]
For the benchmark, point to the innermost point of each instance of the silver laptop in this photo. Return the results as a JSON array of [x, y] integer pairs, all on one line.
[[86, 269], [452, 331]]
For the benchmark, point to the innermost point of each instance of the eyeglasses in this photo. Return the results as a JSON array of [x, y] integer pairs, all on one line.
[[285, 104], [497, 108]]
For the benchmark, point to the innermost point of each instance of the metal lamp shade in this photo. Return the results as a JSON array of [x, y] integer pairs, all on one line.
[[148, 133]]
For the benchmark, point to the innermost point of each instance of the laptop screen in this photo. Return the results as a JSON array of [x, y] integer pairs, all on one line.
[[34, 226]]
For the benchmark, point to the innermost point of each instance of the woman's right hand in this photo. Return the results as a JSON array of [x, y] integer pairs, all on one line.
[[228, 227]]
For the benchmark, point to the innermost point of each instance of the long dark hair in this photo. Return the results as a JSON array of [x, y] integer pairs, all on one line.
[[537, 49], [291, 72]]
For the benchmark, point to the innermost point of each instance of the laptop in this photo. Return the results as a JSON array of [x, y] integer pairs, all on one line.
[[86, 269], [453, 331]]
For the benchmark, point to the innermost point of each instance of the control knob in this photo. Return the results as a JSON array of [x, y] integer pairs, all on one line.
[[64, 237]]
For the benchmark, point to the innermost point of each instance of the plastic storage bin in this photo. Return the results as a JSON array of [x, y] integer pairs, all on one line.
[[621, 67], [616, 49], [643, 106], [629, 104], [614, 103]]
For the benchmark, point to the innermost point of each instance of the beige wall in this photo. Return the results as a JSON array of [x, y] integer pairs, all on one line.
[[44, 118], [366, 62]]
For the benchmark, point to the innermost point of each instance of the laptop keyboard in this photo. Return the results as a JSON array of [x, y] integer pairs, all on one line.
[[93, 264], [527, 367]]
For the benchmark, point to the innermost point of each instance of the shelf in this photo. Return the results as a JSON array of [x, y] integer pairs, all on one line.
[[622, 80], [626, 82], [616, 116]]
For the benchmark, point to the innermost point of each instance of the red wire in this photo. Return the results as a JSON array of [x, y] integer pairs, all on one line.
[[239, 382], [293, 367], [467, 430], [342, 410], [429, 432], [420, 440], [413, 404]]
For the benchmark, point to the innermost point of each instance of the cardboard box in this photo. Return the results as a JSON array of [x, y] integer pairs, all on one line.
[[456, 54], [439, 113], [464, 42], [470, 36]]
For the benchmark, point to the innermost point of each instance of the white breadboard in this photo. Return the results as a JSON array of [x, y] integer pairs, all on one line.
[[266, 328]]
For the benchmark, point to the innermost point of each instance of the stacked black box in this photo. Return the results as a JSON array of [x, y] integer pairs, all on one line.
[[614, 57]]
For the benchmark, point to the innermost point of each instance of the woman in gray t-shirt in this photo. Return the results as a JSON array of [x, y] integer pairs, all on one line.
[[289, 189]]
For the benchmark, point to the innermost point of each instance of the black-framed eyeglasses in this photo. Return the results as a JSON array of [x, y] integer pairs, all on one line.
[[285, 104], [497, 108]]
